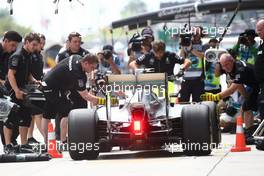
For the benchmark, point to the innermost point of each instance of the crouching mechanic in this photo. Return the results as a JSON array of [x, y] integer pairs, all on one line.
[[240, 74], [69, 74]]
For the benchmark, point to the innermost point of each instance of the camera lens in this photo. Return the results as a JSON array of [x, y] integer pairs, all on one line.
[[210, 56]]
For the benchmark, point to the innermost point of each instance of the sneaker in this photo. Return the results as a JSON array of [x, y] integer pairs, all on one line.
[[32, 140], [260, 144], [9, 149], [14, 142], [26, 149], [250, 140], [248, 135]]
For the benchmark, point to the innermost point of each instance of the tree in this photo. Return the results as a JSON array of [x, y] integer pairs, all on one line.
[[8, 23], [133, 8]]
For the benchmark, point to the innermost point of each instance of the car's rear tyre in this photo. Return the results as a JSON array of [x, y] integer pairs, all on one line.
[[196, 130], [214, 118], [83, 140]]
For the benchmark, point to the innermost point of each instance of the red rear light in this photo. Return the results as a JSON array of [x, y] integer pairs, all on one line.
[[139, 119], [137, 126], [138, 116]]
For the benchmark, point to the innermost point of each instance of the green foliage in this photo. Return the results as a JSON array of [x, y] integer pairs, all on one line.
[[133, 8], [8, 23]]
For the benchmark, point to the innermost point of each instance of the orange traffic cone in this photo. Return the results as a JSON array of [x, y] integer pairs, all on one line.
[[52, 145], [240, 137]]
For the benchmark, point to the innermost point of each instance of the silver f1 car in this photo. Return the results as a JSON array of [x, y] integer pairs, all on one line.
[[146, 118]]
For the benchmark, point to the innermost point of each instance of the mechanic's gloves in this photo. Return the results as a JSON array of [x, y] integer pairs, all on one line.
[[114, 101], [102, 101], [180, 73], [210, 97]]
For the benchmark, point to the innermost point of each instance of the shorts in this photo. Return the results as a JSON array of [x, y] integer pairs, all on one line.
[[36, 111], [251, 102], [56, 103]]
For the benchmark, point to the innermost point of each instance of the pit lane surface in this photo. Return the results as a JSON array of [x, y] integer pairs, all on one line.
[[149, 163]]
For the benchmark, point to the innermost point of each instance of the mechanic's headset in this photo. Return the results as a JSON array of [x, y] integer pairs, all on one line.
[[148, 32]]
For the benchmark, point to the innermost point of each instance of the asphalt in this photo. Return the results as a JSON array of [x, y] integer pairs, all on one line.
[[149, 163]]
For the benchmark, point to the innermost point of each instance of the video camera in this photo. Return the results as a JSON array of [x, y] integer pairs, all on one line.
[[99, 79], [185, 36], [136, 42], [185, 39], [213, 54], [243, 38]]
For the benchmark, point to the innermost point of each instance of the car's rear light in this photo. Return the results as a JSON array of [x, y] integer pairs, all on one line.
[[137, 127], [139, 120]]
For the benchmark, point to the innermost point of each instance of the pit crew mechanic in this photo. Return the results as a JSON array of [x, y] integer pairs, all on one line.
[[7, 47], [241, 74], [37, 65], [161, 60], [259, 66], [73, 46], [70, 74], [19, 74]]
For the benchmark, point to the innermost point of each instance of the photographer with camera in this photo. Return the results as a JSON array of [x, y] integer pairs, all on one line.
[[212, 80], [108, 61], [246, 47], [161, 60], [9, 44], [259, 73], [192, 48], [19, 75], [140, 44]]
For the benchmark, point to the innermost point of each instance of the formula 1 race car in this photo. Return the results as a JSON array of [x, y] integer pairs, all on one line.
[[146, 117]]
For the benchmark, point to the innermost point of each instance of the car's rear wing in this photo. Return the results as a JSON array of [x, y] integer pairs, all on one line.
[[156, 82], [140, 79]]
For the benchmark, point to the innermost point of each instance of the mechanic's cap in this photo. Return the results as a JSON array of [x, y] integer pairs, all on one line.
[[12, 36], [249, 32], [214, 40], [74, 34], [147, 32], [108, 47]]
